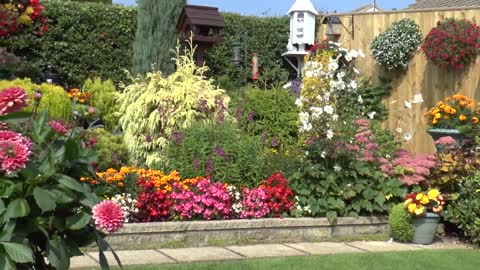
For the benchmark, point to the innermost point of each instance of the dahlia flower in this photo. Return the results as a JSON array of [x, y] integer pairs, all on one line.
[[108, 215], [15, 151], [59, 127], [12, 99]]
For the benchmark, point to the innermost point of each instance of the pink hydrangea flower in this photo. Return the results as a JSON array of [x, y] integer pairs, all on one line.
[[108, 215], [12, 99], [15, 151], [59, 127], [446, 140]]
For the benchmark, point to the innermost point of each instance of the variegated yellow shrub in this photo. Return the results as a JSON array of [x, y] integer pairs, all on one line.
[[155, 107]]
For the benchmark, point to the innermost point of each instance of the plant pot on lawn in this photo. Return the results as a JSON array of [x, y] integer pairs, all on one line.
[[425, 228]]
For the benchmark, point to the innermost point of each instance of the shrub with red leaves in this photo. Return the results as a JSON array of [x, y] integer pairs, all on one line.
[[279, 196], [453, 44], [153, 205]]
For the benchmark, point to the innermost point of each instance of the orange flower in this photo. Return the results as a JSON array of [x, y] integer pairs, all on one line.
[[462, 118], [475, 120], [120, 184]]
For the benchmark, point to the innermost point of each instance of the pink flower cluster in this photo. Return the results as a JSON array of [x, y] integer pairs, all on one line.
[[446, 141], [254, 203], [12, 99], [205, 200], [364, 142], [411, 169], [108, 215], [15, 151]]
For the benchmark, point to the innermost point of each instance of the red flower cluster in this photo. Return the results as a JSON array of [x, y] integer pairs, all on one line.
[[153, 204], [279, 196], [453, 43], [15, 15]]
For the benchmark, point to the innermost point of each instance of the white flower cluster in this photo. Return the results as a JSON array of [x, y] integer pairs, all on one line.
[[129, 206], [394, 48], [236, 197], [302, 210], [319, 115]]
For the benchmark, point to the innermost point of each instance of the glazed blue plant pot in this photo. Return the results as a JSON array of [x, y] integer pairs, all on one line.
[[438, 133], [425, 229]]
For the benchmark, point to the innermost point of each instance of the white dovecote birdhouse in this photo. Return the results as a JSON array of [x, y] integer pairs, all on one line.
[[302, 23]]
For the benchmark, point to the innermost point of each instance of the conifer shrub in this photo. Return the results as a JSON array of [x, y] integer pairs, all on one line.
[[401, 229], [103, 99], [154, 107]]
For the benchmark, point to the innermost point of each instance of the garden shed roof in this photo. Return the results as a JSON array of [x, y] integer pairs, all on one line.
[[431, 4]]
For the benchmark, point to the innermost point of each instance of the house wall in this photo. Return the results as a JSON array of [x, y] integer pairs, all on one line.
[[421, 77]]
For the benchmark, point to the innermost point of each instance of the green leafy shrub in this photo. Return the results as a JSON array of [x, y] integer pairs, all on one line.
[[465, 210], [154, 107], [103, 99], [265, 35], [221, 151], [394, 48], [286, 160], [84, 40], [111, 151], [343, 176], [401, 229], [271, 114], [54, 98], [94, 1]]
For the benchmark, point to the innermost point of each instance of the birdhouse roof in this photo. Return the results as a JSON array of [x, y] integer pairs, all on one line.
[[303, 5]]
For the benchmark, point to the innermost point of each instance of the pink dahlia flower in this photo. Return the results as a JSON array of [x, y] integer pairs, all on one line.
[[12, 100], [7, 135], [447, 140], [13, 156], [59, 127], [108, 215]]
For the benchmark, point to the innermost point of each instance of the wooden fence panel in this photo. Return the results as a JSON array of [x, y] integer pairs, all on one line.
[[421, 77]]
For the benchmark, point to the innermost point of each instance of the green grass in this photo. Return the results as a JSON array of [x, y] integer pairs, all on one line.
[[418, 260]]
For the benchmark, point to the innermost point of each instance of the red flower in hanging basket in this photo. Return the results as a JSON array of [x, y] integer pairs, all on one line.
[[453, 44]]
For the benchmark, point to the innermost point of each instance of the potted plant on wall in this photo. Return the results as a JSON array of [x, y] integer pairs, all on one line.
[[455, 116], [425, 208]]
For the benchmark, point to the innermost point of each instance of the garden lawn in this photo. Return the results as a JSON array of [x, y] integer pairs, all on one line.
[[421, 260]]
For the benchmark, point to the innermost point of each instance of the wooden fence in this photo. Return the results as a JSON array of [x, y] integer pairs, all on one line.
[[421, 77]]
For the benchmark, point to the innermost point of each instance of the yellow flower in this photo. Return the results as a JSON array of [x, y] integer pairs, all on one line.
[[433, 194], [462, 117], [419, 196], [425, 200], [409, 201], [388, 196], [411, 208], [25, 19], [438, 115], [419, 210], [29, 10]]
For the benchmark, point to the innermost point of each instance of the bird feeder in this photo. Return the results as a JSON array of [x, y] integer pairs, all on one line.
[[334, 27], [237, 57], [204, 24]]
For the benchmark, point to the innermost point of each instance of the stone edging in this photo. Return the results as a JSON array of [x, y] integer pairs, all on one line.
[[203, 233]]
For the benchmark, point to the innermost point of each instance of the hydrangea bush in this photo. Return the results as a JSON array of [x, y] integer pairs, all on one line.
[[394, 48]]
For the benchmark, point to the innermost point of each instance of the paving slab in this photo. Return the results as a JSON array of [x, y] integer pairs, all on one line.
[[136, 257], [263, 251], [381, 246], [440, 245], [83, 262], [324, 248], [200, 254]]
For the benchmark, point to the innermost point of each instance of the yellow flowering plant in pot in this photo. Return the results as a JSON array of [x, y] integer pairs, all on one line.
[[454, 116], [425, 208]]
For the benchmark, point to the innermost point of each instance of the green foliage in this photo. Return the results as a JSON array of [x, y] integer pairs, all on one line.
[[394, 48], [156, 35], [334, 180], [369, 96], [401, 229], [286, 160], [153, 107], [267, 36], [221, 151], [103, 99], [271, 114], [45, 213], [465, 210], [83, 40], [54, 98], [94, 1], [111, 151]]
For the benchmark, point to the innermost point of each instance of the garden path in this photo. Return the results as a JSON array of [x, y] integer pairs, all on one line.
[[184, 255]]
